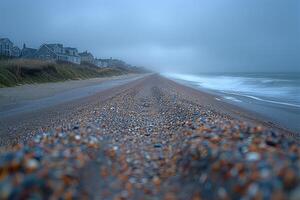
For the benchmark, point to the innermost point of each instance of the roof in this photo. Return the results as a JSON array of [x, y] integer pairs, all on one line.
[[29, 49], [85, 53], [5, 40], [54, 45], [28, 52], [71, 48], [16, 47], [51, 47], [103, 60]]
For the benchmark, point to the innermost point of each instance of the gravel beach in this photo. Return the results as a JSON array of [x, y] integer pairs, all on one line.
[[147, 139]]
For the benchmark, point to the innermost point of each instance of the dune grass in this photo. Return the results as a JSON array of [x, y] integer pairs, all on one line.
[[20, 71]]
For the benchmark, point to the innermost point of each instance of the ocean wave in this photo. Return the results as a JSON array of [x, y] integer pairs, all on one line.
[[271, 89], [266, 100], [232, 98]]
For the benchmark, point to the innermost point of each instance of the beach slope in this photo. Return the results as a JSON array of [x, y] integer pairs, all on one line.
[[149, 138]]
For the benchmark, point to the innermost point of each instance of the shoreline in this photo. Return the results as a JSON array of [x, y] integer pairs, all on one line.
[[268, 114], [204, 97]]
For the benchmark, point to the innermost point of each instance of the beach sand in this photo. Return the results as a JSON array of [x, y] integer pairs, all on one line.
[[150, 138]]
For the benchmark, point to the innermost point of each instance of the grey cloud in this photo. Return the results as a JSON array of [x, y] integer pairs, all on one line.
[[190, 35]]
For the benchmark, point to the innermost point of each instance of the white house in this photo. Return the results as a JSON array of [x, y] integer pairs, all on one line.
[[6, 47]]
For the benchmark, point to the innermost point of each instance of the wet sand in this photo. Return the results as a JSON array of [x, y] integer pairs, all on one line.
[[148, 139]]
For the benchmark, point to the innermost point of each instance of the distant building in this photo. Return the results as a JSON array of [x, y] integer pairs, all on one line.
[[87, 57], [71, 55], [116, 63], [56, 52], [6, 47], [102, 62], [111, 63], [59, 53], [28, 53], [16, 52]]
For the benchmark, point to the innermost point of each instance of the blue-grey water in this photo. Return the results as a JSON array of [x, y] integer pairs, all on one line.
[[274, 95]]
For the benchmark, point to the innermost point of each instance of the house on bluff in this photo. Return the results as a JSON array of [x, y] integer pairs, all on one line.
[[8, 49], [5, 47], [28, 53], [58, 52], [87, 57]]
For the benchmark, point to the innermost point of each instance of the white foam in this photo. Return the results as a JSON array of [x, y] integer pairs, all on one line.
[[271, 101], [232, 98], [267, 89]]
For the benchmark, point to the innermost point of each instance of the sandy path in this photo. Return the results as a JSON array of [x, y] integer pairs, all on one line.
[[10, 97]]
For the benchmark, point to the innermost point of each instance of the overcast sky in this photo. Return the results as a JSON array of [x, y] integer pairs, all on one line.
[[169, 35]]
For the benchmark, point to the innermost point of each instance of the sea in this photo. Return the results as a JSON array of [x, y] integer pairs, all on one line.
[[272, 95]]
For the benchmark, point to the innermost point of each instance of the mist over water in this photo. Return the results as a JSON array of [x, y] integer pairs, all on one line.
[[274, 88]]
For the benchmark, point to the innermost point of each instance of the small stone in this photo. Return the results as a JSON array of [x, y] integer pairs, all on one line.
[[115, 148], [271, 142], [295, 194], [252, 156], [5, 190], [77, 137], [156, 181], [289, 178], [31, 165], [252, 190]]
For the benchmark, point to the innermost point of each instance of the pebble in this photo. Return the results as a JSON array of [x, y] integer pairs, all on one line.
[[31, 164], [252, 156], [77, 137]]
